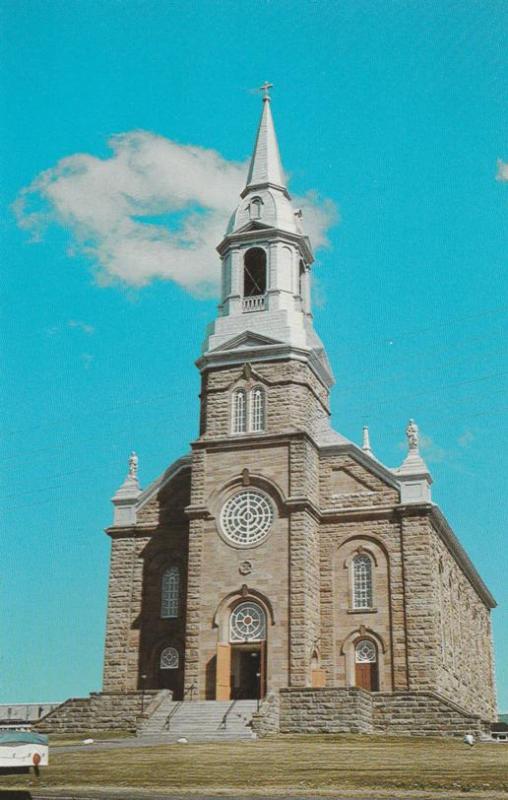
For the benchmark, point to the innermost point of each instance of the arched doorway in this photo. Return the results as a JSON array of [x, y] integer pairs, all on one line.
[[366, 665], [241, 664], [170, 672]]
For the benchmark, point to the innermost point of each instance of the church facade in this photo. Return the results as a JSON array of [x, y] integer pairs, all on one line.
[[278, 555]]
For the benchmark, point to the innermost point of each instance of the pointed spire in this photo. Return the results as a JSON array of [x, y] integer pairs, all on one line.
[[366, 442], [265, 165]]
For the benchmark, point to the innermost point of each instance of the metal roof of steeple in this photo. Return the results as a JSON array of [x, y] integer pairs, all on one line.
[[265, 166]]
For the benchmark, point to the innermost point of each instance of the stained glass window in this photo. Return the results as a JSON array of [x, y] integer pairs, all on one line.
[[257, 409], [248, 623], [362, 581], [169, 658], [247, 517], [239, 411], [170, 593]]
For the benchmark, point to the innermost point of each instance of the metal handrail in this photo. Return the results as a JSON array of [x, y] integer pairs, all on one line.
[[224, 721], [189, 690]]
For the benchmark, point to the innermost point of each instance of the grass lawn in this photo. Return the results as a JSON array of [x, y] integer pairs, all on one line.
[[310, 765]]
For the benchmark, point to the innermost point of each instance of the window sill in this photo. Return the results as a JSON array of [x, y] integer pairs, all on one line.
[[361, 611]]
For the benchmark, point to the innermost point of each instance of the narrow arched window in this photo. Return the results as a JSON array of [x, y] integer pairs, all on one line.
[[257, 409], [169, 658], [362, 581], [170, 593], [254, 273], [239, 411]]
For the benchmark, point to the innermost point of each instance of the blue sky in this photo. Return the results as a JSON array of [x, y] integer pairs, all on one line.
[[392, 113]]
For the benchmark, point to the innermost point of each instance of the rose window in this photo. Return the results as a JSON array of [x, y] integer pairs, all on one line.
[[247, 517], [365, 652], [248, 623]]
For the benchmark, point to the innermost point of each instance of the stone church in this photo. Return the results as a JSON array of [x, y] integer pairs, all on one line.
[[278, 558]]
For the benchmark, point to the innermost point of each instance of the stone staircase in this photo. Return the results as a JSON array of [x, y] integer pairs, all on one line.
[[203, 720]]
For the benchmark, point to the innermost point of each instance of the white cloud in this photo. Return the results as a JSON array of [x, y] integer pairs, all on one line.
[[466, 439], [502, 171], [113, 209], [430, 450], [81, 326]]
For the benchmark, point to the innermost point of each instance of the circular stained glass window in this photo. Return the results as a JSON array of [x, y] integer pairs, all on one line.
[[248, 623], [169, 658], [247, 517]]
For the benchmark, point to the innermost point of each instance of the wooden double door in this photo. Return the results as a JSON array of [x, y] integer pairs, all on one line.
[[241, 671]]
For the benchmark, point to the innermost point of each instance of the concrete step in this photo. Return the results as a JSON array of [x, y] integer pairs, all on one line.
[[204, 719]]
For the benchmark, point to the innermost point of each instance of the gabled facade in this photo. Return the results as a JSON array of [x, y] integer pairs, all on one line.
[[278, 554]]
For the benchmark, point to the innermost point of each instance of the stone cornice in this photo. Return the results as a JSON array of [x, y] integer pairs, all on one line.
[[268, 352], [239, 441], [356, 513], [259, 234]]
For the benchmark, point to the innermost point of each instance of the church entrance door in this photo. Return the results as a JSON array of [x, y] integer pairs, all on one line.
[[366, 666], [248, 671]]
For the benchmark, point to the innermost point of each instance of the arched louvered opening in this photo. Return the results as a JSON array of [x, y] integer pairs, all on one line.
[[254, 279], [255, 208]]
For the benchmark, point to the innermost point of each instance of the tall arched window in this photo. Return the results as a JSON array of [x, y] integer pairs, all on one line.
[[254, 273], [170, 593], [239, 411], [362, 581], [257, 409]]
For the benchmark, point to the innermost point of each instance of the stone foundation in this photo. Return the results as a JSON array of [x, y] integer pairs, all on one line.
[[353, 710], [105, 711], [423, 714], [267, 719], [325, 711]]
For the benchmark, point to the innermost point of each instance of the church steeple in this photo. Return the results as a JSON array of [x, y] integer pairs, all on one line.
[[265, 166], [266, 263]]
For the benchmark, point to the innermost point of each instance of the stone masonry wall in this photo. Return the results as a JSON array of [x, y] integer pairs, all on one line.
[[421, 606], [135, 632], [423, 714], [303, 596], [295, 399], [465, 654], [267, 719], [106, 711], [341, 624], [124, 604], [325, 711]]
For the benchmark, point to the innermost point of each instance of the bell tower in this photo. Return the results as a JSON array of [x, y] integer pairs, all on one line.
[[266, 269]]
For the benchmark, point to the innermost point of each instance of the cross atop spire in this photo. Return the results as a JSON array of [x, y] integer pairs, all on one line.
[[265, 166], [265, 89]]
